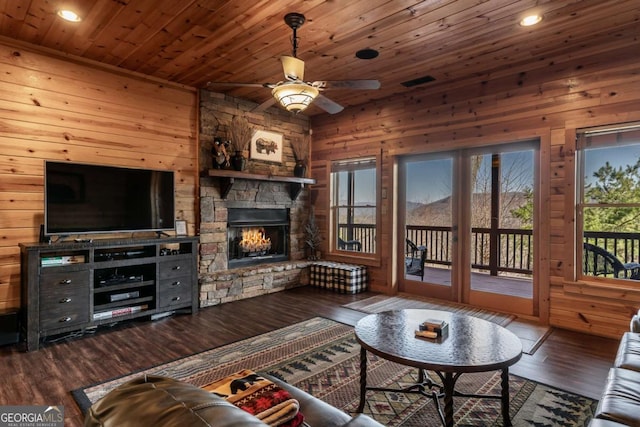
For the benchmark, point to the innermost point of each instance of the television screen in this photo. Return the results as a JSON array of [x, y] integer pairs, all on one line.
[[84, 198]]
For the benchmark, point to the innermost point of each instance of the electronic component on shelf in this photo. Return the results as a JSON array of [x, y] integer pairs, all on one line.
[[124, 296], [125, 254], [117, 279], [167, 251]]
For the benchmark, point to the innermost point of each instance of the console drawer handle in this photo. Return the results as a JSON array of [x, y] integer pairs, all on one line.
[[65, 282], [177, 283], [65, 300], [177, 267], [176, 299], [65, 319]]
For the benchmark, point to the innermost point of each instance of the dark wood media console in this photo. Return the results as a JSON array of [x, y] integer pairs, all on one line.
[[71, 286]]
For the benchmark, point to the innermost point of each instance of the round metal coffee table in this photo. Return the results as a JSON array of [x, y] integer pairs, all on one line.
[[470, 345]]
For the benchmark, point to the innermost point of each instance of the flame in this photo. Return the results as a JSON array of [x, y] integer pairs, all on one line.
[[254, 240]]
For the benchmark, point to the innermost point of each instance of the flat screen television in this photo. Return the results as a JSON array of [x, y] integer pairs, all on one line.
[[85, 199]]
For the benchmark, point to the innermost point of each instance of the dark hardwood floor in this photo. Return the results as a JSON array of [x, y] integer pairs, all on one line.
[[568, 360]]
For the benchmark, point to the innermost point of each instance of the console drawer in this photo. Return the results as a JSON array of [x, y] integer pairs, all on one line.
[[174, 292], [175, 268], [61, 317], [64, 307], [64, 299], [64, 280]]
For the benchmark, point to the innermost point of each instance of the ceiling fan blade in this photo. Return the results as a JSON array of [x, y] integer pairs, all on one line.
[[267, 85], [266, 104], [347, 84], [293, 68], [327, 105]]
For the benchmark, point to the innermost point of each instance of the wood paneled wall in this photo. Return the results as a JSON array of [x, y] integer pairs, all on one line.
[[548, 101], [59, 108]]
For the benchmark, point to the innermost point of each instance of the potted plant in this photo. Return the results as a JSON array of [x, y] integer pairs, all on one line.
[[240, 138], [312, 236]]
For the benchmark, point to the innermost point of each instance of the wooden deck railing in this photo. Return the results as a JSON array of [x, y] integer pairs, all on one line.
[[625, 246], [514, 252], [364, 233]]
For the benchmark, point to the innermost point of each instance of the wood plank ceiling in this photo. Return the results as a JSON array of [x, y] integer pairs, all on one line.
[[192, 42]]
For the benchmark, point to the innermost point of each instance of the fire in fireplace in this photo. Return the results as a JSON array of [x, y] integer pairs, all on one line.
[[255, 241], [257, 236]]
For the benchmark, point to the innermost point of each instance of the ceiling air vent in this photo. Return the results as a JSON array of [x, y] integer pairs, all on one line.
[[418, 81]]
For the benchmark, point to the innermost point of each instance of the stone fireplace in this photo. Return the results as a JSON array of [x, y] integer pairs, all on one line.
[[257, 236], [271, 257], [228, 274]]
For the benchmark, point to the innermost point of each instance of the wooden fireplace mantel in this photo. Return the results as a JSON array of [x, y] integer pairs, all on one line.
[[228, 177]]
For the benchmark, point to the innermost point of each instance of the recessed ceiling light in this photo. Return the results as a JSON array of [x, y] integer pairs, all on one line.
[[530, 20], [69, 15]]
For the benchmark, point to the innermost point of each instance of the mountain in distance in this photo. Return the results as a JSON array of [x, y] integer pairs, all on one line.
[[438, 213]]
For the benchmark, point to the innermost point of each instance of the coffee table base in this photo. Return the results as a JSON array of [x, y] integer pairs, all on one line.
[[446, 391]]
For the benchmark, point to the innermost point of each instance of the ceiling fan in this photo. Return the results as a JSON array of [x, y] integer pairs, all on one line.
[[293, 93]]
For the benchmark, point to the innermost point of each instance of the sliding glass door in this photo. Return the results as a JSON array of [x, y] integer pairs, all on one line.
[[467, 226], [501, 239], [429, 208]]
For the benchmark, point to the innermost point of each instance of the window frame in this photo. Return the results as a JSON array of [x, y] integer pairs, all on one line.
[[338, 165], [594, 138]]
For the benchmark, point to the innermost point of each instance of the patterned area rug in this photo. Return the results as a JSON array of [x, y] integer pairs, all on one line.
[[322, 357]]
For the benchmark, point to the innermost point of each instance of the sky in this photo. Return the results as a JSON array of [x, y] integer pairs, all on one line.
[[619, 156], [431, 180]]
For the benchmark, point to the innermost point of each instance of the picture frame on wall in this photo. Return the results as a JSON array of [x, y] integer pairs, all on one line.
[[181, 227], [267, 146]]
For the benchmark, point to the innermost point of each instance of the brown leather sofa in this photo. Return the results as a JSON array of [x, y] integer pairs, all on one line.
[[620, 401], [160, 401]]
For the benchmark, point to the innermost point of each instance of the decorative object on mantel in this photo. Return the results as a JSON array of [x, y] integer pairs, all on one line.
[[240, 137], [300, 147], [219, 153], [312, 236], [266, 146]]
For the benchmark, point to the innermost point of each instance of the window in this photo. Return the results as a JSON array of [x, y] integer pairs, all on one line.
[[353, 205], [609, 202]]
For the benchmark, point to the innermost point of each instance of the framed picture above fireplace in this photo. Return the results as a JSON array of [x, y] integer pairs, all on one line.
[[266, 146]]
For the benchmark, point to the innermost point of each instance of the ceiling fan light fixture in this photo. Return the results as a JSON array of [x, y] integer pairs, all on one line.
[[294, 97]]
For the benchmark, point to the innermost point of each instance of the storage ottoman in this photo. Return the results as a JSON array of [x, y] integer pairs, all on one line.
[[342, 278]]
